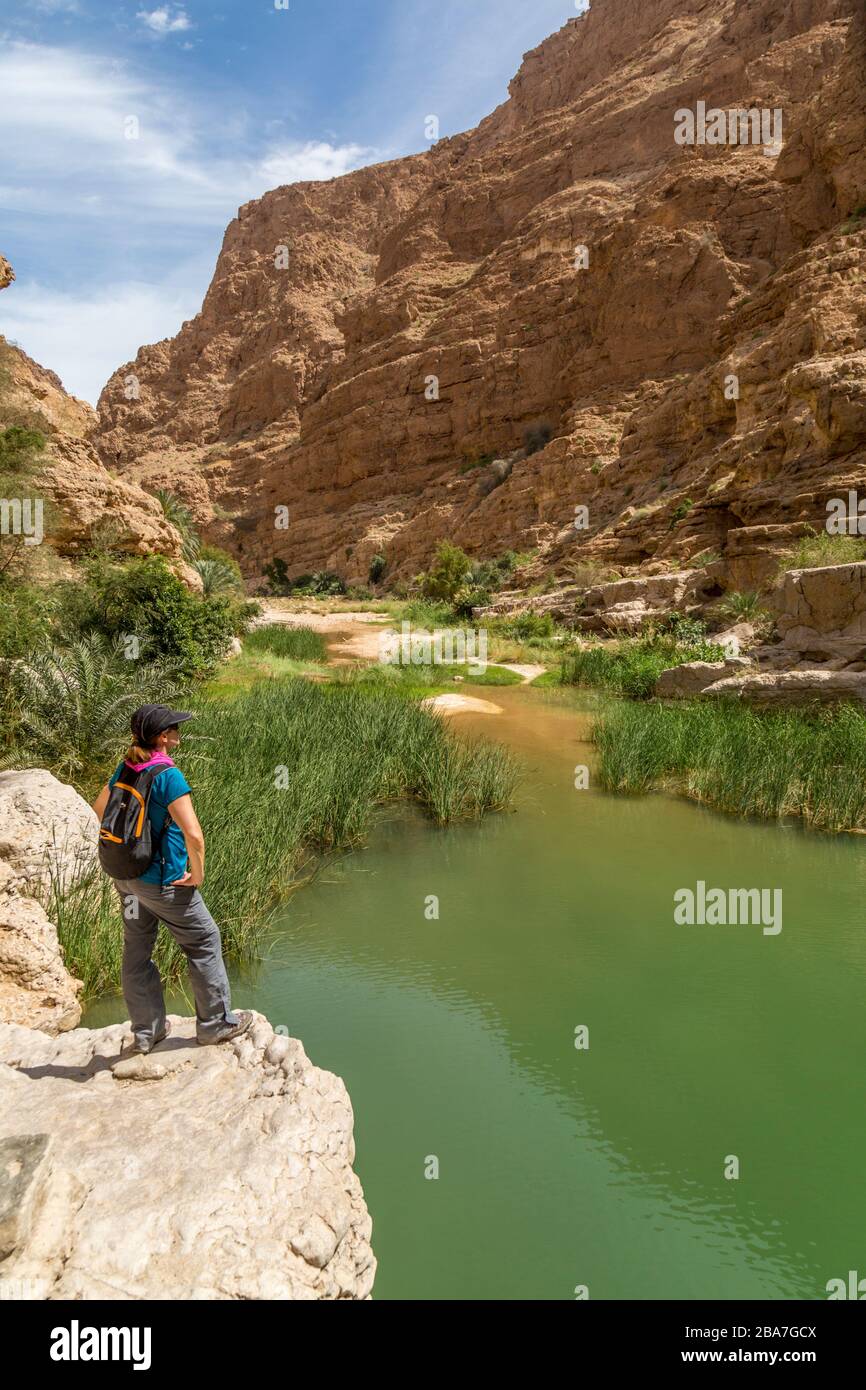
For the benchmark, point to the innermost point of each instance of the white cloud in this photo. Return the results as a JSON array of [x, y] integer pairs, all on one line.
[[84, 337], [71, 115], [161, 21]]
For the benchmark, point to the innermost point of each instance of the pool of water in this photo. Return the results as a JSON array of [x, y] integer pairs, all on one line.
[[604, 1166]]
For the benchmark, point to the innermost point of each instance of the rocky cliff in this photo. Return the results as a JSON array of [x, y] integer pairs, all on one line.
[[205, 1173], [86, 496], [371, 347], [232, 1178]]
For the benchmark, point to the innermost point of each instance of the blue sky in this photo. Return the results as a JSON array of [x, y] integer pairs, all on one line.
[[114, 239]]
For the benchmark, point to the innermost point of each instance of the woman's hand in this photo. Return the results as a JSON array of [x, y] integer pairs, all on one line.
[[188, 881]]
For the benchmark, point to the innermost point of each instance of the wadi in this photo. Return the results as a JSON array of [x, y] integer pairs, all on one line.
[[496, 456]]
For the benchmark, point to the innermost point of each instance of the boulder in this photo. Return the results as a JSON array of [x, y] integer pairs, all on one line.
[[779, 688], [693, 677], [35, 986], [48, 834], [734, 638], [47, 831], [217, 1172]]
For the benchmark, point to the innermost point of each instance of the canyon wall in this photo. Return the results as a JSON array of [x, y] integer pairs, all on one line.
[[416, 350]]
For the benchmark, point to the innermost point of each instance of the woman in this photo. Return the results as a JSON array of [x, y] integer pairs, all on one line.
[[168, 892]]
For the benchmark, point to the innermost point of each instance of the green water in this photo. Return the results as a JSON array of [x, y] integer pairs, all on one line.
[[602, 1167]]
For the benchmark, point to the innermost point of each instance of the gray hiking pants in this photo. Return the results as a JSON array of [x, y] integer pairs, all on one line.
[[183, 911]]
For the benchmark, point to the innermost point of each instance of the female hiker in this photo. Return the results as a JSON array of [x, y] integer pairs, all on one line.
[[152, 806]]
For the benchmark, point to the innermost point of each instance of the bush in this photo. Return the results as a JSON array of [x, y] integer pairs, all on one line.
[[680, 626], [277, 575], [378, 565], [320, 584], [143, 598], [680, 512], [450, 569], [216, 576], [525, 627], [819, 549], [19, 449], [468, 597]]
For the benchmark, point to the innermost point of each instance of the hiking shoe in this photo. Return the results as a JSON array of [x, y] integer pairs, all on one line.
[[233, 1030], [146, 1046]]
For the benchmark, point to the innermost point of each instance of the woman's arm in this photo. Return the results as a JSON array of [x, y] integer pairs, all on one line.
[[183, 815], [101, 802]]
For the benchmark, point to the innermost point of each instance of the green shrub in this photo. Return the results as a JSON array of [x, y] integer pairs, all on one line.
[[216, 576], [277, 575], [632, 667], [739, 605], [378, 565], [680, 512], [320, 584], [143, 598], [20, 449], [524, 627], [468, 597], [448, 573]]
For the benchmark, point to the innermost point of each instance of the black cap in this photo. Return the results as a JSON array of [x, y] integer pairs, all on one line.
[[149, 721]]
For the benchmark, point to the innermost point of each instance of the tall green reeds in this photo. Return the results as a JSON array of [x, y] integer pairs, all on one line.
[[744, 761], [632, 667], [285, 769]]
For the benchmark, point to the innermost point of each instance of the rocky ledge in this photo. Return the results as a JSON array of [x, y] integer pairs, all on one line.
[[194, 1173]]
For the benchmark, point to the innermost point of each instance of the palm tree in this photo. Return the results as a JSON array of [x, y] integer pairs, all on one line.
[[72, 704], [217, 577], [180, 517]]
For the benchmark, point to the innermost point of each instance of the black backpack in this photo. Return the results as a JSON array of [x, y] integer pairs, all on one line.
[[126, 842]]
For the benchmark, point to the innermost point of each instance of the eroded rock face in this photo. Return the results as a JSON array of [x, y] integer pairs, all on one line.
[[221, 1172], [626, 605], [47, 833], [778, 688], [309, 387], [821, 613], [85, 499]]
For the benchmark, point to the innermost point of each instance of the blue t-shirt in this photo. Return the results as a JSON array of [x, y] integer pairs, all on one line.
[[170, 860]]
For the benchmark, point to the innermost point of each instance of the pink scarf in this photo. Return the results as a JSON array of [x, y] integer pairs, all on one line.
[[158, 759]]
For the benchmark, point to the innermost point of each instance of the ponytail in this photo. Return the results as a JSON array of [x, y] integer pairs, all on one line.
[[136, 754]]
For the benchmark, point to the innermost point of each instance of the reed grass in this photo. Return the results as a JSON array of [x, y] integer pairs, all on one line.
[[632, 667], [294, 643], [768, 764], [280, 772]]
